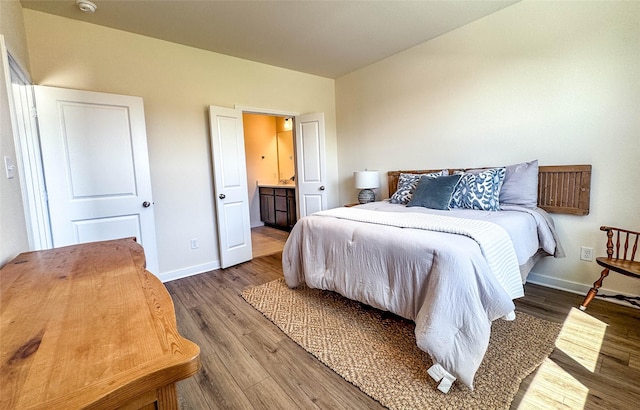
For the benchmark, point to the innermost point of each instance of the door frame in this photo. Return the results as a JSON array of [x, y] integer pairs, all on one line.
[[27, 151]]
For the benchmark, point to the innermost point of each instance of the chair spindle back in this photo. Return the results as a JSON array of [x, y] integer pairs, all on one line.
[[623, 240]]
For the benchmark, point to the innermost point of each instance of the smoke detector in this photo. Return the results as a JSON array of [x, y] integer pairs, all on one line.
[[86, 6]]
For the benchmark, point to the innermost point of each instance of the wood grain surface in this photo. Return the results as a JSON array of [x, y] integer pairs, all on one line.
[[86, 326]]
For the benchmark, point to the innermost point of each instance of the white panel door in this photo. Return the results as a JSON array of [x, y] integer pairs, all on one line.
[[230, 185], [310, 163], [96, 167]]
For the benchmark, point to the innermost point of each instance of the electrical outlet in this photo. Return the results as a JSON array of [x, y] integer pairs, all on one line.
[[586, 254], [194, 243]]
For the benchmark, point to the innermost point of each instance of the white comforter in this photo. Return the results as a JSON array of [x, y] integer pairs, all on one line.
[[440, 280]]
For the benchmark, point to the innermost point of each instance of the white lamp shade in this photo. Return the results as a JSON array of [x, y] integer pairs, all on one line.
[[367, 179]]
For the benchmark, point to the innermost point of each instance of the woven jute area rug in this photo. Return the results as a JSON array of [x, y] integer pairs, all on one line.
[[376, 351]]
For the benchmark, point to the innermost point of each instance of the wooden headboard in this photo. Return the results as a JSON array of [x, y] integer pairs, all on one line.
[[562, 189]]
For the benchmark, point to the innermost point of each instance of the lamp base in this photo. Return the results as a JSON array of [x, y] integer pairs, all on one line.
[[366, 195]]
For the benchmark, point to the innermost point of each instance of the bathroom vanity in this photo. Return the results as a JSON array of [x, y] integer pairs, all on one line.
[[278, 205]]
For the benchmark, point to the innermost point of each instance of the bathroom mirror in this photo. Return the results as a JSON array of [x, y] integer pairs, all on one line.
[[286, 166]]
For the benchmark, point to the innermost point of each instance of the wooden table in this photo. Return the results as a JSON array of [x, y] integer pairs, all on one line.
[[86, 326]]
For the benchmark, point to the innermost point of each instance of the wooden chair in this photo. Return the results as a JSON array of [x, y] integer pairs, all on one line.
[[621, 258]]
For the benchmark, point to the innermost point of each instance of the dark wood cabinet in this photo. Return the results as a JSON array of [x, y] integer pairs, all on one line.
[[278, 207], [267, 206]]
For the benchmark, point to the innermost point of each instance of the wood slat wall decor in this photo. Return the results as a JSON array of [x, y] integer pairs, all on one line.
[[562, 189], [565, 189]]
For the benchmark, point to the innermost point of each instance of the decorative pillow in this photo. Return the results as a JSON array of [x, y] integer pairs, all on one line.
[[520, 186], [479, 191], [434, 193], [407, 184]]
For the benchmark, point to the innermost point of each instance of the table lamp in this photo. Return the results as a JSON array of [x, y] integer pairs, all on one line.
[[366, 181]]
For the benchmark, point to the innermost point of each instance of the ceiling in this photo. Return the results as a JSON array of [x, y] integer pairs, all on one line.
[[325, 38]]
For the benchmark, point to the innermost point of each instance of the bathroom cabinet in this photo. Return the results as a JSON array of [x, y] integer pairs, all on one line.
[[278, 206]]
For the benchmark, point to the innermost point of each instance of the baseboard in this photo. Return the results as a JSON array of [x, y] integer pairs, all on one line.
[[560, 284], [574, 287], [257, 224], [190, 271]]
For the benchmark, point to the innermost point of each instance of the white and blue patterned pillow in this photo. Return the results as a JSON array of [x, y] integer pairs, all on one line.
[[479, 191], [407, 184]]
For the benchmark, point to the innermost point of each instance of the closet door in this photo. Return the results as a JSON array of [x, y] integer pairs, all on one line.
[[96, 168]]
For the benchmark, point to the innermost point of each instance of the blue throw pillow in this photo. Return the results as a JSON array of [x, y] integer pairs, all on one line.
[[479, 191], [434, 193], [407, 184]]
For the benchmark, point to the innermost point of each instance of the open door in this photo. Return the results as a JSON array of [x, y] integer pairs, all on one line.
[[310, 163], [96, 167], [230, 185]]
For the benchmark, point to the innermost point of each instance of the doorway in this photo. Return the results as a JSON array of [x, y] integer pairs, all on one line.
[[270, 161], [91, 147], [270, 157], [231, 183]]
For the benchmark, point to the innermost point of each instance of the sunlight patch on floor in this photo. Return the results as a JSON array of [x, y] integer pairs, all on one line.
[[581, 338], [554, 388]]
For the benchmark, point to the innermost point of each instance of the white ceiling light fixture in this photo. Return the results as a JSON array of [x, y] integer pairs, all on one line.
[[86, 6]]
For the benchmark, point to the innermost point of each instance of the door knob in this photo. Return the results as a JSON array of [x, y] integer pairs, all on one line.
[[146, 204], [322, 188], [222, 196]]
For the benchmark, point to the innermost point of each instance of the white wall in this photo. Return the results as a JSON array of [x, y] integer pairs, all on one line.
[[13, 234], [12, 28], [177, 83], [556, 81]]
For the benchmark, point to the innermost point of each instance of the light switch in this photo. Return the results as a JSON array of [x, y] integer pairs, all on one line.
[[10, 167]]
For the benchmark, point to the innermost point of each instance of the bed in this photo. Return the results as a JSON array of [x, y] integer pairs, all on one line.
[[438, 258]]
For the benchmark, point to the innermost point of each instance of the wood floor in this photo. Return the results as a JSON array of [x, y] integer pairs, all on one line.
[[248, 363], [267, 241]]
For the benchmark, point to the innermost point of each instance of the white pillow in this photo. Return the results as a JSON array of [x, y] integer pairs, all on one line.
[[520, 185]]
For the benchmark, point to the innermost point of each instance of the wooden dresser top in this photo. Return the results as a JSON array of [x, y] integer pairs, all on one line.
[[87, 326]]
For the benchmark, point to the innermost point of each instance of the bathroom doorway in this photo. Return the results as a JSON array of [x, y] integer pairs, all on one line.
[[270, 157]]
